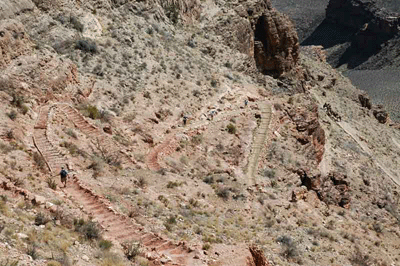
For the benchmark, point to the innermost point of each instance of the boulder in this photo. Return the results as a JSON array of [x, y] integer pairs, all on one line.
[[39, 200], [380, 114], [332, 189], [107, 129], [365, 101]]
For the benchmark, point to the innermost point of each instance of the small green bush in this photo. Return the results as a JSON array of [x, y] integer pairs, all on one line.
[[39, 161], [76, 24], [32, 251], [51, 183], [131, 250], [223, 192], [105, 244], [231, 128], [86, 46], [41, 219], [92, 112], [89, 229], [12, 115]]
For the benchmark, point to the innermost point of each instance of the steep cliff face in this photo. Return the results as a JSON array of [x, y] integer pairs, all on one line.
[[276, 46], [260, 31]]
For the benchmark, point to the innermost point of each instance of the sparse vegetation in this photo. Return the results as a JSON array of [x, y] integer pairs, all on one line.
[[88, 229], [41, 218], [12, 115], [51, 183], [231, 128], [39, 161], [131, 250], [87, 46], [105, 244]]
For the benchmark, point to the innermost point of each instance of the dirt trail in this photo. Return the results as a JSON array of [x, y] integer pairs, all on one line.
[[116, 226], [167, 146], [53, 158], [104, 143], [121, 228], [259, 139]]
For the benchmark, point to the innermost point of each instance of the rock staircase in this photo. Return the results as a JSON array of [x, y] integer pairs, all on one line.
[[104, 144], [259, 139], [122, 229], [53, 158]]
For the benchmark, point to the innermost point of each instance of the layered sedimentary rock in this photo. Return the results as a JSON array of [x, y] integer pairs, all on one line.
[[264, 34]]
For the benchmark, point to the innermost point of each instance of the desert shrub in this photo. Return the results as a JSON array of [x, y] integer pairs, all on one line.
[[76, 24], [289, 247], [223, 192], [172, 12], [197, 139], [32, 251], [270, 173], [18, 100], [131, 250], [70, 132], [5, 148], [214, 83], [88, 229], [142, 182], [12, 115], [39, 161], [231, 128], [378, 227], [111, 259], [41, 219], [86, 46], [206, 246], [92, 112], [105, 244], [24, 109], [3, 206], [208, 180], [172, 184], [51, 183], [8, 262], [171, 219]]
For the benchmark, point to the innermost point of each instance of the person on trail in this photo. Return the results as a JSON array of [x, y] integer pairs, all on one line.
[[246, 102], [63, 175], [212, 114], [185, 120]]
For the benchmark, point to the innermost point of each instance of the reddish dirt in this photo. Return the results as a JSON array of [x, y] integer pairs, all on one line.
[[121, 228]]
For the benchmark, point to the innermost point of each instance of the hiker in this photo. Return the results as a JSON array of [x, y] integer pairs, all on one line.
[[246, 102], [63, 175], [212, 113], [185, 120]]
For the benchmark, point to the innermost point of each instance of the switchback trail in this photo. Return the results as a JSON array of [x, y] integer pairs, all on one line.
[[121, 228], [53, 158], [259, 139]]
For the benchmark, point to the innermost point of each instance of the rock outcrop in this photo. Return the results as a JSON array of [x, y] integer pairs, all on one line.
[[264, 34], [13, 41], [309, 129], [258, 256], [373, 24], [380, 114], [332, 189]]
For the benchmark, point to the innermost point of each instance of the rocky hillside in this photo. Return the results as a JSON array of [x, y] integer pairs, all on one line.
[[194, 133]]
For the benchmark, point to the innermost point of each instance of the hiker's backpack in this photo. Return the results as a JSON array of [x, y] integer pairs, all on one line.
[[63, 173]]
